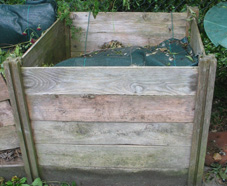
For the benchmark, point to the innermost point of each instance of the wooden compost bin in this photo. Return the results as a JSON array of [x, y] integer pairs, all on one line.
[[113, 125]]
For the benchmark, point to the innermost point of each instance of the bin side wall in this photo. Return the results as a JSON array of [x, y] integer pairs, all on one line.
[[126, 118], [129, 28]]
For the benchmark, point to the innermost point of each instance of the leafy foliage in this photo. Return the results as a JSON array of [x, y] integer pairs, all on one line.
[[15, 181], [217, 171]]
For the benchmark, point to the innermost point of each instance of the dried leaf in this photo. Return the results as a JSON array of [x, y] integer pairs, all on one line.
[[217, 157]]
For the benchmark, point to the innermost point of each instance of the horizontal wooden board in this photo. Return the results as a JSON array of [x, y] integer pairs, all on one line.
[[6, 114], [116, 177], [124, 17], [95, 41], [134, 29], [111, 108], [4, 94], [114, 80], [8, 138], [169, 134], [72, 156]]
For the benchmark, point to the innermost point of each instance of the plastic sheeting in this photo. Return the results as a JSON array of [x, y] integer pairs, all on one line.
[[172, 52]]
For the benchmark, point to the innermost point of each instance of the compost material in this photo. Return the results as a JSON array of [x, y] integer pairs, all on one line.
[[171, 52]]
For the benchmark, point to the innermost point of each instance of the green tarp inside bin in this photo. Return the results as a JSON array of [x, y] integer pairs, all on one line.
[[172, 52]]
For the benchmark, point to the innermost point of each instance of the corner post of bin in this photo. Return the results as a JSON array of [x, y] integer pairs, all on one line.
[[189, 16], [203, 106], [12, 68]]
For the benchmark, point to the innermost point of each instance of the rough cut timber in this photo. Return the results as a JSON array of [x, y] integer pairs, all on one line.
[[4, 94]]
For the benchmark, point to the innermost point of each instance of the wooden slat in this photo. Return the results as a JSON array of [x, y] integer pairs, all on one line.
[[130, 28], [124, 17], [168, 134], [114, 80], [71, 156], [13, 98], [8, 138], [49, 48], [67, 42], [195, 39], [111, 108], [6, 114], [4, 94], [206, 114], [190, 16], [96, 40], [207, 67], [19, 105]]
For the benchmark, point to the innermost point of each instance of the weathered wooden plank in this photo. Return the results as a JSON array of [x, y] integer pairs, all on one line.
[[8, 138], [190, 15], [169, 134], [195, 39], [25, 118], [127, 28], [114, 80], [132, 28], [201, 126], [106, 156], [6, 114], [67, 42], [13, 98], [17, 98], [4, 94], [206, 114], [96, 40], [128, 17], [111, 108], [49, 48], [116, 177]]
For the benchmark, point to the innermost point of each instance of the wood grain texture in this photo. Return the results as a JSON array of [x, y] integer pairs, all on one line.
[[8, 138], [71, 156], [207, 67], [48, 49], [96, 40], [13, 98], [189, 16], [196, 41], [206, 114], [76, 133], [6, 114], [128, 17], [129, 28], [111, 108], [4, 94], [24, 117], [111, 80]]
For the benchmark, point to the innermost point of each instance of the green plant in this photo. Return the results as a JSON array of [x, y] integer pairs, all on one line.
[[15, 181], [217, 171]]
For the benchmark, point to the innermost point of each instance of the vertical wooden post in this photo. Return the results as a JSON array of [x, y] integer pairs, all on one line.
[[204, 97], [19, 105]]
